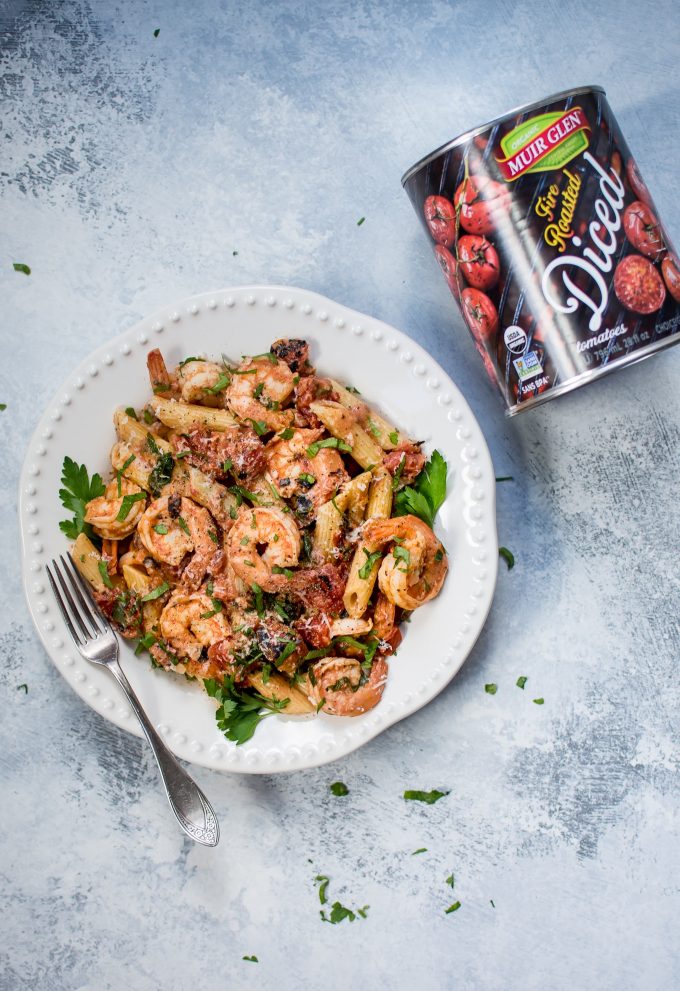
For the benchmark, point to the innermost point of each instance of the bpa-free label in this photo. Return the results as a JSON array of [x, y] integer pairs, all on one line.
[[528, 366]]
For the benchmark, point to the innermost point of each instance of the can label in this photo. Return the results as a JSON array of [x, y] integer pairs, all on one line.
[[550, 242]]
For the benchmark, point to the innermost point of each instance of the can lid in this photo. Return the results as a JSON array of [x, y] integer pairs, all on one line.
[[473, 132]]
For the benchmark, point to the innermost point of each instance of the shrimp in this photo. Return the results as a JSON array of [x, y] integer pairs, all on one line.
[[189, 622], [293, 472], [263, 538], [162, 382], [334, 684], [258, 389], [172, 527], [414, 572], [197, 378], [103, 512]]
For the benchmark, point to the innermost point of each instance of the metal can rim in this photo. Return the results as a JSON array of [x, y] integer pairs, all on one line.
[[473, 132]]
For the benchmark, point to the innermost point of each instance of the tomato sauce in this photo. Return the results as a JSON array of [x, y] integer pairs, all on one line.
[[551, 244]]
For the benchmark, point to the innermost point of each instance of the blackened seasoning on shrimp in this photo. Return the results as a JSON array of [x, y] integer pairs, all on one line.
[[551, 245]]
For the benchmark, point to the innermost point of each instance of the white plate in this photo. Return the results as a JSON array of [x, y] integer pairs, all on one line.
[[391, 371]]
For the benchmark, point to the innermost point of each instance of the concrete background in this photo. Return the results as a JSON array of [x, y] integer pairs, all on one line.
[[242, 145]]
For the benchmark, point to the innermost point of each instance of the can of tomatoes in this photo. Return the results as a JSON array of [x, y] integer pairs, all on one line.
[[549, 240]]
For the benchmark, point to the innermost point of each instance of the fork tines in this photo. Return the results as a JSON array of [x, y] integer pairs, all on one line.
[[80, 607]]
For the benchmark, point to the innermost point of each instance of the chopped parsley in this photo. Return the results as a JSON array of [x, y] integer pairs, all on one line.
[[287, 433], [360, 221], [429, 797], [504, 478], [25, 688], [182, 524], [422, 849], [402, 554], [507, 556], [538, 701], [338, 788], [259, 426], [227, 465], [144, 643], [491, 689], [338, 912], [156, 592], [252, 959], [373, 428], [187, 360], [428, 492], [156, 32], [21, 267], [398, 472], [366, 568], [269, 355], [240, 711], [148, 416], [161, 528], [258, 390], [278, 570], [213, 536], [350, 388], [219, 386], [492, 902], [161, 473], [78, 490], [104, 572], [161, 387], [314, 448], [521, 681], [306, 478], [259, 600], [127, 503], [129, 411], [323, 884], [452, 908], [394, 437], [451, 880], [3, 407]]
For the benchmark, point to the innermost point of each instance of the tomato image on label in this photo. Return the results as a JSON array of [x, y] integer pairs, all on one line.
[[636, 182], [478, 260], [481, 316], [638, 285], [441, 219], [670, 269], [480, 201], [642, 229], [447, 264]]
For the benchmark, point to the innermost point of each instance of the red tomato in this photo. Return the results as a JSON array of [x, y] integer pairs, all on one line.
[[481, 201], [636, 181], [447, 264], [638, 285], [642, 229], [441, 219], [478, 260], [480, 315], [670, 269]]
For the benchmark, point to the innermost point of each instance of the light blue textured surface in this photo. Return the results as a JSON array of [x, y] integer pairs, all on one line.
[[134, 168]]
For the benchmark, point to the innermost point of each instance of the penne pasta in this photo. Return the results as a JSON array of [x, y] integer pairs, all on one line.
[[138, 581], [184, 416], [277, 688], [351, 499], [344, 425], [385, 433], [363, 573], [87, 559]]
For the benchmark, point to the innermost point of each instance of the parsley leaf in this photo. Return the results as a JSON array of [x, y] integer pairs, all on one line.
[[127, 503], [491, 689], [360, 221], [25, 688], [338, 788], [252, 959], [104, 572], [78, 490], [507, 556], [538, 701], [394, 437], [3, 406], [219, 386], [20, 267], [428, 492], [521, 681], [156, 32], [451, 880], [161, 473], [314, 448], [422, 849], [429, 797], [367, 566], [129, 411], [323, 884], [156, 592], [259, 426], [240, 711], [452, 908]]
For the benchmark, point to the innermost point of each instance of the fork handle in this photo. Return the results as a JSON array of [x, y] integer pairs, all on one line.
[[194, 812]]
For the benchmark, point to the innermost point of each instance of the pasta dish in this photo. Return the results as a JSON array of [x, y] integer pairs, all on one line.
[[265, 532]]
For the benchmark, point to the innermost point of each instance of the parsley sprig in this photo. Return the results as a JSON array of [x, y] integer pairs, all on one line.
[[240, 710], [78, 489], [427, 493]]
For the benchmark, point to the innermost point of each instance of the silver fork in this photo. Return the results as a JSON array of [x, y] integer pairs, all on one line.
[[96, 641]]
